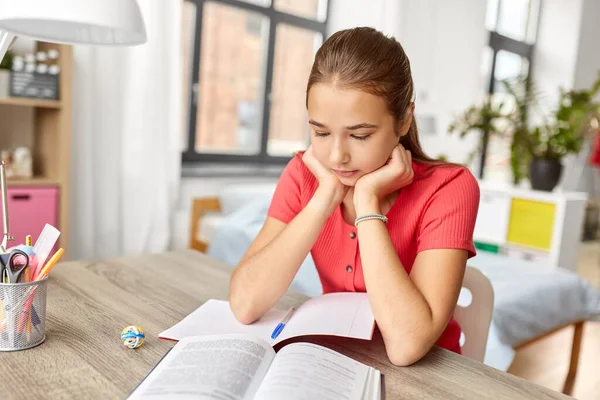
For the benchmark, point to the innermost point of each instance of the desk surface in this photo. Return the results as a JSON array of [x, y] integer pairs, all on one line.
[[89, 303]]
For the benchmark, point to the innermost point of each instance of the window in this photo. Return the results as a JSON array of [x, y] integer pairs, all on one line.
[[247, 65], [512, 26]]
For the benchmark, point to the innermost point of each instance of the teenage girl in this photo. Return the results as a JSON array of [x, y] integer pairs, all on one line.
[[377, 214]]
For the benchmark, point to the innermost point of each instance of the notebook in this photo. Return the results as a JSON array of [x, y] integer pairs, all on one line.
[[243, 367], [337, 314]]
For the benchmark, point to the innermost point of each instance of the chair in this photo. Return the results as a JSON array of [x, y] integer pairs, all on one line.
[[475, 318]]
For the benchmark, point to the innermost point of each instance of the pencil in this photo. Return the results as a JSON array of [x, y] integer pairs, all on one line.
[[50, 264], [29, 326]]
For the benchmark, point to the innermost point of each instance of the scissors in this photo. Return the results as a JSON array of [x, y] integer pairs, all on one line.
[[12, 266]]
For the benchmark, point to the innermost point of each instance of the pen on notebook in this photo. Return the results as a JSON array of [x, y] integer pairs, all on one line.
[[282, 324]]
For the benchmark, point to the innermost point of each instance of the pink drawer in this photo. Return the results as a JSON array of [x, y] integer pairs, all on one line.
[[29, 209]]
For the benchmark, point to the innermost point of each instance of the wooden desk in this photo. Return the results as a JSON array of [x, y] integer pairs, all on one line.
[[89, 303]]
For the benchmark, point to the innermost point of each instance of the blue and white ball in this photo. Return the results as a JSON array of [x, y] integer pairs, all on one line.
[[133, 336]]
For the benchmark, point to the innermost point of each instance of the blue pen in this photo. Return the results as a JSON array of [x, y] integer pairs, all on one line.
[[282, 324]]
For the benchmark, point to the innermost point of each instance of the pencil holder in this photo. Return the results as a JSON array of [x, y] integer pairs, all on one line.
[[22, 314]]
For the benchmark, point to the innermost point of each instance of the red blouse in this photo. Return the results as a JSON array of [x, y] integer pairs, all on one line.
[[437, 211]]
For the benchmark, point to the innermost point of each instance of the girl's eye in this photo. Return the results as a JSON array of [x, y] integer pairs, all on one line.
[[320, 134], [364, 137]]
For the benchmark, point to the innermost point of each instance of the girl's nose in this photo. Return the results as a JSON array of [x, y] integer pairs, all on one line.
[[339, 153]]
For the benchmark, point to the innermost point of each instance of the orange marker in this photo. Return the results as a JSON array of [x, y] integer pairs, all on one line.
[[50, 264]]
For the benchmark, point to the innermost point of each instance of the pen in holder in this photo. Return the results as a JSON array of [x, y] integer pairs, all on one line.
[[22, 314]]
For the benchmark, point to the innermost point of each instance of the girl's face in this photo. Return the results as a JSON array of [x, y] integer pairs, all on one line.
[[352, 132]]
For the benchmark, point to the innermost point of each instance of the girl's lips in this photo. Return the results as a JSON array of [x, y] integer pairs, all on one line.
[[344, 173]]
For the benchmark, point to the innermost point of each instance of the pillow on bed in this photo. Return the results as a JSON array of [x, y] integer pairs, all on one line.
[[234, 197], [235, 234]]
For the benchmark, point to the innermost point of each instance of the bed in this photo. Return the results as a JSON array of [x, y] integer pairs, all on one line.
[[531, 300]]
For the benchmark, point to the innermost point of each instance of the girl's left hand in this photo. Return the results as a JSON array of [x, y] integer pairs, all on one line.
[[395, 174]]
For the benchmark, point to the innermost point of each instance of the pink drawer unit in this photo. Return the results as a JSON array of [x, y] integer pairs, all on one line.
[[29, 209]]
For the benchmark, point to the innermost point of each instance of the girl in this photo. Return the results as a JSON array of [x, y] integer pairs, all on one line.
[[376, 213]]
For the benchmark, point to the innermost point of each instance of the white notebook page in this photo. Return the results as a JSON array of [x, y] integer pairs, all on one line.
[[215, 317], [339, 314]]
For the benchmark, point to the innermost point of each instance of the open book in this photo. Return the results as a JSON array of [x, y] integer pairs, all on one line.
[[337, 314], [242, 367]]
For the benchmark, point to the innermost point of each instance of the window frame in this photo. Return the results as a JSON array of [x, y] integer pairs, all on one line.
[[496, 43], [192, 157]]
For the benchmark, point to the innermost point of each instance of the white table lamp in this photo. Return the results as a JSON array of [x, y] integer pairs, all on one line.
[[98, 22]]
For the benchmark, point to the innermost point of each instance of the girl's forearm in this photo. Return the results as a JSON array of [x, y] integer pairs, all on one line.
[[260, 281], [402, 313]]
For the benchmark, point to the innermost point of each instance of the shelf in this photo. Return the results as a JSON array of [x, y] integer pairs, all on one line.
[[35, 181], [26, 102]]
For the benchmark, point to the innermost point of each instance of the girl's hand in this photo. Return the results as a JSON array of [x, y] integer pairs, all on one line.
[[394, 175], [332, 188]]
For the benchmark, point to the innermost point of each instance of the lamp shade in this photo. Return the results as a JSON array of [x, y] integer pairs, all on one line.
[[100, 22]]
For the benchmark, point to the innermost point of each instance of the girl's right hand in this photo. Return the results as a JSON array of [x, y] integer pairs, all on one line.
[[332, 189]]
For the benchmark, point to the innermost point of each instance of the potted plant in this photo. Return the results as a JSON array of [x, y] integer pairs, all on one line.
[[5, 65], [536, 150], [573, 120]]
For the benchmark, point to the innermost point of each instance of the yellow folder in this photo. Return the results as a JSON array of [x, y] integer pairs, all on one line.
[[531, 223]]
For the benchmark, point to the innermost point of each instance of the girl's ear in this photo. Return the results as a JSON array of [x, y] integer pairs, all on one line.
[[407, 121]]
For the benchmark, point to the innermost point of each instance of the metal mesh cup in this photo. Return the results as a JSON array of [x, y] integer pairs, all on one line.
[[22, 314]]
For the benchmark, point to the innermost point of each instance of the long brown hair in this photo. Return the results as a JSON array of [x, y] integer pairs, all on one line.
[[365, 59]]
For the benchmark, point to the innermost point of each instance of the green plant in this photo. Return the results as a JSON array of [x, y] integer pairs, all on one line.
[[561, 131], [6, 62], [485, 117], [572, 121], [523, 94]]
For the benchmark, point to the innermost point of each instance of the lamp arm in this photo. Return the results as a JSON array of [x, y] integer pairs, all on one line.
[[6, 235], [6, 40]]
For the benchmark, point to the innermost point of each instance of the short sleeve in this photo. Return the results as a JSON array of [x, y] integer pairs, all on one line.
[[448, 219], [287, 199]]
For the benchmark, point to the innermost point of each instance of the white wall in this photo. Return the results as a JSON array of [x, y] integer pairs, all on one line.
[[588, 57], [444, 41], [379, 14], [556, 49]]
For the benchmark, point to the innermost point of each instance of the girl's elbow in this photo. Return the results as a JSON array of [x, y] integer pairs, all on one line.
[[243, 307], [245, 317], [408, 353], [243, 311], [403, 360]]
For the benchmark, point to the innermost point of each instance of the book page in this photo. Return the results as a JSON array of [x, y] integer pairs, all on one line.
[[340, 314], [215, 317], [373, 387], [308, 371], [226, 367]]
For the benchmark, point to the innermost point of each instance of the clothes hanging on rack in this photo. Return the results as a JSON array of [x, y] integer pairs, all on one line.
[[595, 156]]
